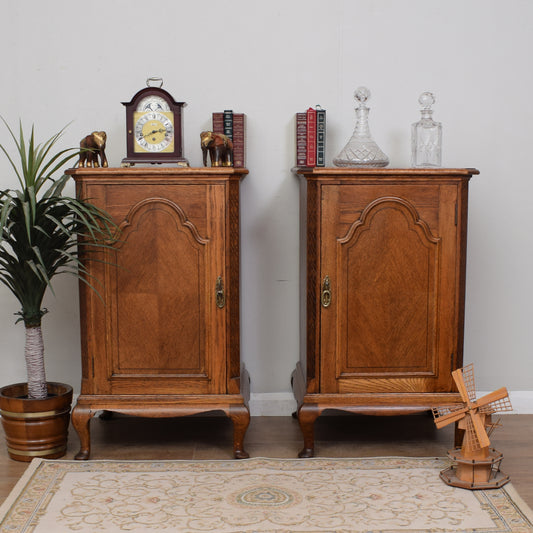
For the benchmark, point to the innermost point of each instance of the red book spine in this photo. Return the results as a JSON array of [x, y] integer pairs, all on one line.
[[218, 122], [301, 139], [311, 138], [239, 140]]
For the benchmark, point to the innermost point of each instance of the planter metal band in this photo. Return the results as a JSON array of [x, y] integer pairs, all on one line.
[[37, 453], [44, 414]]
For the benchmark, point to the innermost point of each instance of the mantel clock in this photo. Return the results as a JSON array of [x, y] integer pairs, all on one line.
[[153, 127]]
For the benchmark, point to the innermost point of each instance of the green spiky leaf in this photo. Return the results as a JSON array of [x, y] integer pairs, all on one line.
[[40, 226]]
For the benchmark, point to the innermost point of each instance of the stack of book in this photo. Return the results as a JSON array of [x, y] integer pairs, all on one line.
[[311, 138], [234, 126]]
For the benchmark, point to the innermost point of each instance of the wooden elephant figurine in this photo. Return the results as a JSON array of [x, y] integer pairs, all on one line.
[[220, 149], [91, 147]]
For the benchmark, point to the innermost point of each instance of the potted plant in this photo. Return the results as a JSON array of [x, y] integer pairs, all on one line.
[[39, 231]]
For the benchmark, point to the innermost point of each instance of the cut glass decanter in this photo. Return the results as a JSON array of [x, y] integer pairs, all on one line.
[[426, 136], [361, 150]]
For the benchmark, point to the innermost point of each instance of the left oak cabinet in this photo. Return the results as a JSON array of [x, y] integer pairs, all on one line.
[[160, 338]]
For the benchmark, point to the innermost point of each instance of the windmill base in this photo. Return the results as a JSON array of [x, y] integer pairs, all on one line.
[[475, 473]]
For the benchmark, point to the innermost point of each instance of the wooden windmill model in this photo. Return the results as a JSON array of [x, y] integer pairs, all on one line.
[[476, 465]]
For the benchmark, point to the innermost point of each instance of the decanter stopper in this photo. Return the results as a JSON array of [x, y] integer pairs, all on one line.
[[361, 150], [426, 136]]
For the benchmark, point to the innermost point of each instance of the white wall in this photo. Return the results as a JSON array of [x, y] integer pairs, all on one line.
[[62, 61]]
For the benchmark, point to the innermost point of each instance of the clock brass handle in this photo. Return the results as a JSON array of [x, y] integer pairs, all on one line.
[[325, 298], [220, 297], [150, 82]]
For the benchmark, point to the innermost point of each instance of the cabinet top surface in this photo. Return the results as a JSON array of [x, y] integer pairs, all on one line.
[[369, 172], [156, 172]]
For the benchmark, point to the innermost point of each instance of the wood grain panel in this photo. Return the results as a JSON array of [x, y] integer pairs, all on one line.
[[388, 288], [159, 302], [119, 204]]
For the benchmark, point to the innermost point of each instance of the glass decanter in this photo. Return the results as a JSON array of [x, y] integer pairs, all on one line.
[[361, 150], [426, 136]]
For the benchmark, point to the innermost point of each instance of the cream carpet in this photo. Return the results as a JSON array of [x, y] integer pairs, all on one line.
[[255, 495]]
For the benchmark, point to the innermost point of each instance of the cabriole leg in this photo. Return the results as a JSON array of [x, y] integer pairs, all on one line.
[[240, 416], [81, 418], [307, 415]]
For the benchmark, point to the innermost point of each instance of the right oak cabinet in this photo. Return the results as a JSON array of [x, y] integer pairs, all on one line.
[[383, 261]]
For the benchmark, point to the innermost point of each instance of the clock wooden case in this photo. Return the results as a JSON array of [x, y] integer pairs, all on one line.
[[383, 295], [161, 339], [154, 128]]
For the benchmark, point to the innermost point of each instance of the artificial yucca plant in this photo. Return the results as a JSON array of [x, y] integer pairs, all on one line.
[[39, 231]]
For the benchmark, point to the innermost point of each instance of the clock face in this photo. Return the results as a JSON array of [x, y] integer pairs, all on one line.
[[153, 130]]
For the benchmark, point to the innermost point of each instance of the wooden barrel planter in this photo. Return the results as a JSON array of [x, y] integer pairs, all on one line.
[[35, 428]]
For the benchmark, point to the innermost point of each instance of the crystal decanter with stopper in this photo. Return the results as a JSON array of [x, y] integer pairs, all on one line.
[[361, 150], [426, 136]]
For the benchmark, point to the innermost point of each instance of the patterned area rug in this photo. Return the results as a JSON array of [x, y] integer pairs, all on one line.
[[255, 495]]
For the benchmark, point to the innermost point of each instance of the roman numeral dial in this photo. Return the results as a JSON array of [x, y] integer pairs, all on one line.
[[154, 131]]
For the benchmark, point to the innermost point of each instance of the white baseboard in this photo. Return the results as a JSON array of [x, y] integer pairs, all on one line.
[[272, 404], [283, 403]]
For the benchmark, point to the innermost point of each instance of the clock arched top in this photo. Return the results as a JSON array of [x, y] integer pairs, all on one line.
[[153, 91]]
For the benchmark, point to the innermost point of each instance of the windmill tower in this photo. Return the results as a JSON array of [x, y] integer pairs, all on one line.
[[476, 465]]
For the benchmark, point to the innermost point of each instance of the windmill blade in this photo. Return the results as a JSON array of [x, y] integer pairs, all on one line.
[[496, 401], [447, 409], [499, 406], [468, 378], [447, 414], [479, 430], [470, 440], [458, 377]]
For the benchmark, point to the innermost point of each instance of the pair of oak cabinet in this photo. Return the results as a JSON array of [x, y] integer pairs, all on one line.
[[383, 255]]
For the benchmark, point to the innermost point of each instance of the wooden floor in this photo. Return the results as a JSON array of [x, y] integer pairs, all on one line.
[[210, 437]]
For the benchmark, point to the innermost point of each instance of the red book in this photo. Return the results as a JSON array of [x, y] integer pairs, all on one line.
[[301, 139], [239, 140], [218, 122], [311, 138]]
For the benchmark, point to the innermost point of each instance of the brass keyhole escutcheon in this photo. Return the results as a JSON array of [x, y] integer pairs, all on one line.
[[326, 293], [219, 293]]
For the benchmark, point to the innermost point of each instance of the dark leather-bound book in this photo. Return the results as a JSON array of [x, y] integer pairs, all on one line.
[[228, 123], [320, 137]]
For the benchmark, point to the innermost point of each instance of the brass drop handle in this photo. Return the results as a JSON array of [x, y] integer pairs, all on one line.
[[325, 298], [219, 293]]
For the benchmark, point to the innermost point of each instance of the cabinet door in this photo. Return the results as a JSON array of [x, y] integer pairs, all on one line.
[[164, 332], [390, 255]]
